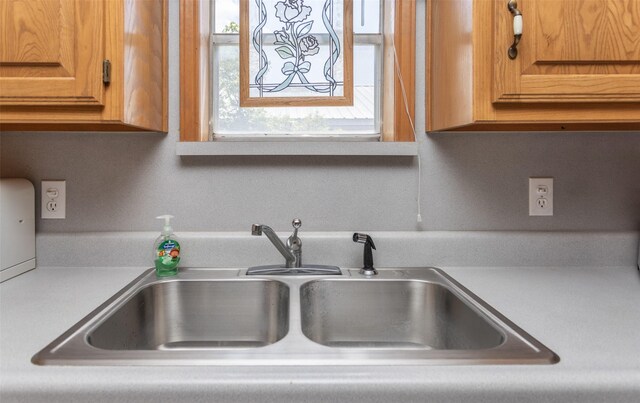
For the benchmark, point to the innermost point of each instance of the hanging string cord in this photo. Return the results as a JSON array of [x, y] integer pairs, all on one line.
[[413, 128]]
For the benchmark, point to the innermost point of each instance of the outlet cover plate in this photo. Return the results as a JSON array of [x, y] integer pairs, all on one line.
[[540, 196], [54, 192]]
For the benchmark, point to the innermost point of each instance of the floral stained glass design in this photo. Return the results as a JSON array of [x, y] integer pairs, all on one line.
[[296, 53]]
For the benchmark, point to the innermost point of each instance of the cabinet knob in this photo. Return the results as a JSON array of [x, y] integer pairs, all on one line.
[[517, 28]]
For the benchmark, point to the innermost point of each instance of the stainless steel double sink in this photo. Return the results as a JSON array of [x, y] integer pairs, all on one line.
[[413, 316]]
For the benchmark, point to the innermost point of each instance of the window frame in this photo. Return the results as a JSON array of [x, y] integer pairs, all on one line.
[[195, 72]]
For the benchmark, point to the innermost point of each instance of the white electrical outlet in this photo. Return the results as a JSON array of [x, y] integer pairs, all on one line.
[[540, 196], [54, 195]]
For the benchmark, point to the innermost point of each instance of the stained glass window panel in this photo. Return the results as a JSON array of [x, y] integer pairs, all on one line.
[[296, 53]]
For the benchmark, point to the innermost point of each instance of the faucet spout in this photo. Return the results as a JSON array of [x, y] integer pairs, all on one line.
[[289, 256]]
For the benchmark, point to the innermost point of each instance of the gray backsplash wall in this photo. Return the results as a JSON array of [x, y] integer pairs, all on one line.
[[120, 182]]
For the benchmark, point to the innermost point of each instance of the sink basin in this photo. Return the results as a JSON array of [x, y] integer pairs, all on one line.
[[393, 314], [197, 314], [412, 316]]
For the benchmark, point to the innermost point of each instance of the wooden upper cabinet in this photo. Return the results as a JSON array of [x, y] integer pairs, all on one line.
[[570, 51], [41, 59], [53, 56], [577, 65]]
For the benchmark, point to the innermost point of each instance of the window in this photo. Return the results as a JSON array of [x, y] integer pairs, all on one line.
[[296, 52], [210, 72]]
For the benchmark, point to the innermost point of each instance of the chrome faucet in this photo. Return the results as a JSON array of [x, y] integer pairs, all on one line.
[[292, 251]]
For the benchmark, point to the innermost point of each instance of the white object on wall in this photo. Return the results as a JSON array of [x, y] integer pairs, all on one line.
[[54, 196], [540, 196], [17, 228]]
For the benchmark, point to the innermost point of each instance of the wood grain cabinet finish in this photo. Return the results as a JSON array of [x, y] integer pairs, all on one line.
[[52, 59], [577, 67]]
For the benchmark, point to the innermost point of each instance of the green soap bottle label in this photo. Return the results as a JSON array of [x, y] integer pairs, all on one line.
[[168, 254]]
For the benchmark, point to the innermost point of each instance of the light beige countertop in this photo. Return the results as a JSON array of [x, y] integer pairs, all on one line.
[[589, 316]]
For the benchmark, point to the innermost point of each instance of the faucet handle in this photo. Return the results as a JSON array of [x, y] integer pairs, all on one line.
[[294, 243], [296, 223]]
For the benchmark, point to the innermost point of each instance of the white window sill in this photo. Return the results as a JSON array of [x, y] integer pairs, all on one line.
[[354, 148]]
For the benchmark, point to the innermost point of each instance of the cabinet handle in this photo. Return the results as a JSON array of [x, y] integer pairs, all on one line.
[[517, 28], [106, 72]]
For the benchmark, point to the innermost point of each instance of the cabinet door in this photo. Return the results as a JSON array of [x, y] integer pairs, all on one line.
[[570, 51], [51, 52]]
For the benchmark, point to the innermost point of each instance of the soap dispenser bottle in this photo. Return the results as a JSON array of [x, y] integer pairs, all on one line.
[[166, 250]]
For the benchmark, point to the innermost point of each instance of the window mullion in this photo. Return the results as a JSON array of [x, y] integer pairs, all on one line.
[[358, 39]]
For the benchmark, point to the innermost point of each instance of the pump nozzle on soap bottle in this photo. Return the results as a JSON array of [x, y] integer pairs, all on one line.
[[166, 250], [166, 230]]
